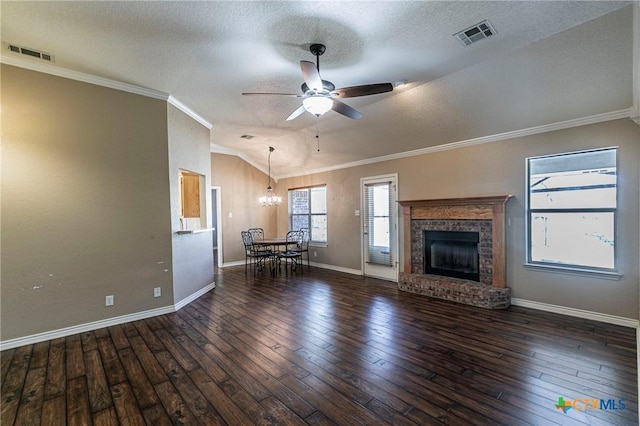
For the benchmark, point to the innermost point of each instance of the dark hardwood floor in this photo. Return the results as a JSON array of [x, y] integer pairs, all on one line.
[[326, 348]]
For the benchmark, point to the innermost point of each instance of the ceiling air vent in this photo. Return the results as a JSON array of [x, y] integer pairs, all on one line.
[[31, 52], [476, 33]]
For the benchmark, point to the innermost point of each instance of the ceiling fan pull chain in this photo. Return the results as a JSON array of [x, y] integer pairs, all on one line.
[[318, 132]]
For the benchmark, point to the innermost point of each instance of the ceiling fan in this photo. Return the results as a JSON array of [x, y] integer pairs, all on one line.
[[319, 96]]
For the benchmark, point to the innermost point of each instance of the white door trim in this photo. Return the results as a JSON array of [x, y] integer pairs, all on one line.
[[395, 242], [218, 225]]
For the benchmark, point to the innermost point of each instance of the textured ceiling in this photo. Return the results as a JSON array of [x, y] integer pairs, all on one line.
[[206, 54]]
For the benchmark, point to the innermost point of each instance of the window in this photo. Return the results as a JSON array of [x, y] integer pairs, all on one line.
[[308, 209], [571, 210]]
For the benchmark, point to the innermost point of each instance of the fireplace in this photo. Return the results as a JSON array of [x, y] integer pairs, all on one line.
[[454, 249], [452, 254]]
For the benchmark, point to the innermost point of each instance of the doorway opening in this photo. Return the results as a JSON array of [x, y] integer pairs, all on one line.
[[379, 227], [216, 225]]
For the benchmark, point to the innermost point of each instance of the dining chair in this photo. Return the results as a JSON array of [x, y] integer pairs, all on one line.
[[304, 245], [256, 233], [291, 255], [253, 255]]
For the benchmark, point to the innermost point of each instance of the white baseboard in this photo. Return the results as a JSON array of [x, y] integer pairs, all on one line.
[[318, 265], [596, 316], [236, 263], [82, 328], [337, 268], [95, 325], [181, 304]]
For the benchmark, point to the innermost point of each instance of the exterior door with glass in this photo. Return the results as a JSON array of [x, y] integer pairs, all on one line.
[[379, 227]]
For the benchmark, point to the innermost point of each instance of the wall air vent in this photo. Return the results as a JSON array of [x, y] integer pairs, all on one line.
[[31, 52], [475, 33]]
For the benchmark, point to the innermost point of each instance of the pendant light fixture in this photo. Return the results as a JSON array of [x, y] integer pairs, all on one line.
[[270, 198]]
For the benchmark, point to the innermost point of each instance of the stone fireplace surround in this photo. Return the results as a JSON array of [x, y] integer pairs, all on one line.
[[485, 215]]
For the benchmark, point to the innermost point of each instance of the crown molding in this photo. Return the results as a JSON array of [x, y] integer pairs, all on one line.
[[217, 149], [45, 68], [633, 112], [191, 113], [599, 118]]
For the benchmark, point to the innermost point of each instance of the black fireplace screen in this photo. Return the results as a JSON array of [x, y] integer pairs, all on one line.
[[452, 254]]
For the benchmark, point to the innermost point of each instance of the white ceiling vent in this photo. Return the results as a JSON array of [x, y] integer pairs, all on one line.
[[475, 33], [31, 52]]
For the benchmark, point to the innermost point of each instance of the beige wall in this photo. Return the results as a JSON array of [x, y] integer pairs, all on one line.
[[494, 169], [192, 253], [91, 204], [85, 197], [240, 185]]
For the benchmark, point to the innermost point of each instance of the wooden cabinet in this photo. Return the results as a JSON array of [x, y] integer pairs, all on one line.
[[190, 195]]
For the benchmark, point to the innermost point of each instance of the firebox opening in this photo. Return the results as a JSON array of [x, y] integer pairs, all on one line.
[[452, 254]]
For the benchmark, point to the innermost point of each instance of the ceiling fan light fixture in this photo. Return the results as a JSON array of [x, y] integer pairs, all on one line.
[[319, 96], [317, 104]]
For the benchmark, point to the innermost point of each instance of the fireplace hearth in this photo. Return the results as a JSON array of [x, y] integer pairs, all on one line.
[[454, 249]]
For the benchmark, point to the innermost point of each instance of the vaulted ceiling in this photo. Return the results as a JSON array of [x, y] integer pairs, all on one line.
[[549, 61]]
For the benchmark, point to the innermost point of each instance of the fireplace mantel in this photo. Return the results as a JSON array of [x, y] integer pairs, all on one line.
[[488, 208]]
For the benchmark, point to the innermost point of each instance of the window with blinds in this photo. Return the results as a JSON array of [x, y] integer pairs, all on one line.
[[571, 210], [380, 223], [308, 209]]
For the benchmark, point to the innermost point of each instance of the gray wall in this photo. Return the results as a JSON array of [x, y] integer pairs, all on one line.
[[192, 253], [494, 169]]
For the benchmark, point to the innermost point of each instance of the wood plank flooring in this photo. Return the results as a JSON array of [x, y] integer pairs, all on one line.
[[325, 348]]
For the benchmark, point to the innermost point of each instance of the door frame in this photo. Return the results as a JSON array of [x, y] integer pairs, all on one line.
[[396, 238], [218, 225]]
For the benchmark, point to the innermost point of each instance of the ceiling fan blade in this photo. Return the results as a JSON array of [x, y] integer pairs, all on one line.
[[297, 113], [311, 75], [346, 110], [271, 93], [364, 90]]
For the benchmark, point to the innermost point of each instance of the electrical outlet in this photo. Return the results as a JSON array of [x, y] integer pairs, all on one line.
[[315, 254], [157, 292], [108, 301]]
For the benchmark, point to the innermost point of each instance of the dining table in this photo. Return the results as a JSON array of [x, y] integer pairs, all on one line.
[[274, 243]]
